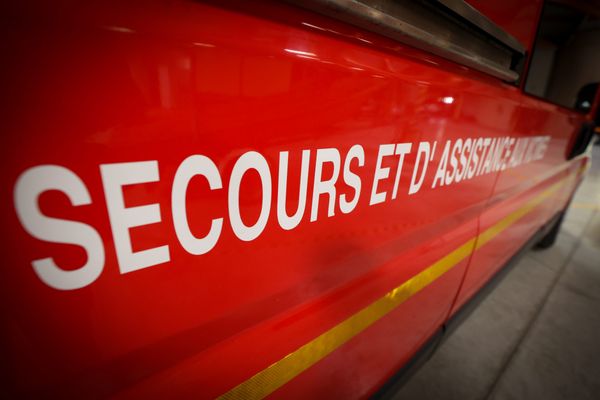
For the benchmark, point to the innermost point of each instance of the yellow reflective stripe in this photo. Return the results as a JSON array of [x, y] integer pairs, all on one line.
[[586, 206], [284, 370], [278, 374], [511, 218]]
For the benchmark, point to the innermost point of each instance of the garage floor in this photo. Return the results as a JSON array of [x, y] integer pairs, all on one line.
[[537, 335]]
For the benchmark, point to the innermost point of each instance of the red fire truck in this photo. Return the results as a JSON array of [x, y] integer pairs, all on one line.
[[286, 199]]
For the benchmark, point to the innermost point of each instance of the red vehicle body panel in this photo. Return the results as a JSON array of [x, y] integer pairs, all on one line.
[[95, 83]]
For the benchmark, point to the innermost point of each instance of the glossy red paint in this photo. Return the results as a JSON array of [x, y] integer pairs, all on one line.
[[93, 83], [515, 186]]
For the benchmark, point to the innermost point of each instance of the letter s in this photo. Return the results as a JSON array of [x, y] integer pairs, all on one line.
[[30, 185]]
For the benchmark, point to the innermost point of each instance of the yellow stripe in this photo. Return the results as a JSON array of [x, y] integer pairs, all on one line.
[[511, 218], [586, 206], [278, 374]]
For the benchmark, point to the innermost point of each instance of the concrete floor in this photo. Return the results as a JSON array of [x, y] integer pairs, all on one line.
[[537, 335]]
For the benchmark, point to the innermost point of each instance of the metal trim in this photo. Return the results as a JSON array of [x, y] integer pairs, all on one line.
[[446, 28], [478, 19]]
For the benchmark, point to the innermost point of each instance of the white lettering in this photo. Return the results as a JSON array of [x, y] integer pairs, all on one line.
[[30, 185], [352, 179], [114, 177], [190, 167], [255, 161]]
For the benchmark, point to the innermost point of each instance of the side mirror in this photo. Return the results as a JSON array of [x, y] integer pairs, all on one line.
[[585, 97], [589, 129]]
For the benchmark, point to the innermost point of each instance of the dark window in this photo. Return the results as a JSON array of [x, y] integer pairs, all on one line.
[[565, 67]]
